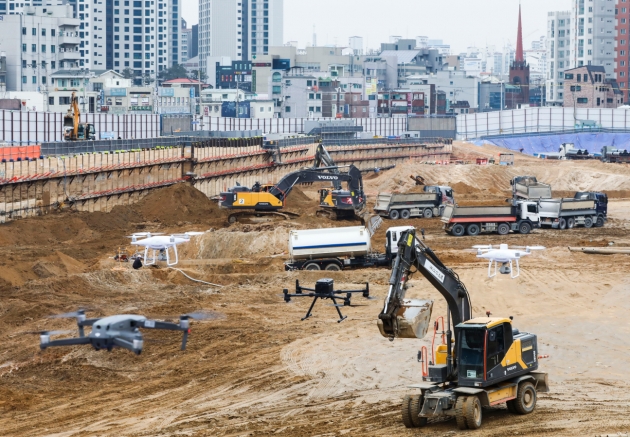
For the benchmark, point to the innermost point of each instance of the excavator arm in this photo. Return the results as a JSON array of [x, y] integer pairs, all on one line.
[[414, 256], [76, 113]]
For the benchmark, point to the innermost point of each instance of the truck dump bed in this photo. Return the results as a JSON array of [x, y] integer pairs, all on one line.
[[532, 190], [556, 207], [385, 200], [477, 213]]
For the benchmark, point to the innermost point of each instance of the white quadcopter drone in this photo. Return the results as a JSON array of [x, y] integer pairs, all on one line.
[[504, 255], [160, 243]]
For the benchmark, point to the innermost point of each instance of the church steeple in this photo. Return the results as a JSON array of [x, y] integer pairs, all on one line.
[[519, 39]]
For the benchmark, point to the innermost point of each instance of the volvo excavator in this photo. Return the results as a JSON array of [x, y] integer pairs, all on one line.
[[335, 202], [483, 361], [261, 200], [72, 129]]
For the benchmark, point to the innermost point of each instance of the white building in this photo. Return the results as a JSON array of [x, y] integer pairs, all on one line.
[[583, 36], [140, 35], [356, 44], [38, 44], [239, 29]]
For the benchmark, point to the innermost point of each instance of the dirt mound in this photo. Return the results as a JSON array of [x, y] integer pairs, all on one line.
[[297, 199], [58, 264], [175, 205]]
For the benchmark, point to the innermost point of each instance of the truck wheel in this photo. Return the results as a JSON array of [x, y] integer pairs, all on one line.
[[458, 230], [472, 412], [333, 267], [232, 219], [473, 229], [570, 223], [524, 228], [414, 409], [312, 266], [459, 413], [394, 214], [427, 213], [588, 222], [562, 224], [405, 214], [600, 222], [503, 229], [525, 401]]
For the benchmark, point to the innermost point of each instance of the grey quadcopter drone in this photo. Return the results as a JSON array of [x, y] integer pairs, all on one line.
[[119, 331]]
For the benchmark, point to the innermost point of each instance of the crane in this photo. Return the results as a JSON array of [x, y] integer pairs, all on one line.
[[73, 130], [482, 362]]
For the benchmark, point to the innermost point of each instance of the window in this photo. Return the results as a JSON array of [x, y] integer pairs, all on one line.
[[582, 100], [576, 88], [43, 32], [34, 31], [52, 32], [51, 100], [23, 79], [24, 31], [24, 48], [23, 63], [34, 48], [53, 64], [43, 80], [43, 48], [287, 109], [34, 80], [52, 49]]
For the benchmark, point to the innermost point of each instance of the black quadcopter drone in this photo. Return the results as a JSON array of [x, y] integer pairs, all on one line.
[[118, 331]]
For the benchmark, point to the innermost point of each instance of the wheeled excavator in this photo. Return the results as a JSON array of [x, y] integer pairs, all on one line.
[[483, 361], [72, 129], [261, 200]]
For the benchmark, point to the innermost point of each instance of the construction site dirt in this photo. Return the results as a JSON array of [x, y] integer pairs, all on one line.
[[262, 371]]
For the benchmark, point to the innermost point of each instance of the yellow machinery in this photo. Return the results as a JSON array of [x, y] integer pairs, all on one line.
[[483, 363], [72, 129]]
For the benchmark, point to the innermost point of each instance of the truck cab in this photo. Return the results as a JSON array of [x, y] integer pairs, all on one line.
[[601, 204], [447, 192], [392, 236], [528, 211]]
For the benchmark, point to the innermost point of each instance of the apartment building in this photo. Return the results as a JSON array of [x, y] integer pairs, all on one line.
[[239, 29], [140, 35], [37, 44], [558, 55], [622, 47]]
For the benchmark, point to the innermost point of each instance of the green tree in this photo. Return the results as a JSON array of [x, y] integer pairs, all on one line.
[[175, 72], [127, 73], [198, 75]]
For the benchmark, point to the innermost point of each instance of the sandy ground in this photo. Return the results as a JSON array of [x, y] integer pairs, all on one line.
[[261, 371]]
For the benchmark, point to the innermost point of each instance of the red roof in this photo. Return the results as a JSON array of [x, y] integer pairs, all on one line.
[[182, 80]]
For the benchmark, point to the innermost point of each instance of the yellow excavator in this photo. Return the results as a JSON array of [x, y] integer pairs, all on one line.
[[483, 362], [72, 129]]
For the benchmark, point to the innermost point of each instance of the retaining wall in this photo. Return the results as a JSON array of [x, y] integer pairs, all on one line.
[[101, 180]]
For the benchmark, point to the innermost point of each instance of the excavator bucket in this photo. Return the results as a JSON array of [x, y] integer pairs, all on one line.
[[414, 318], [371, 222]]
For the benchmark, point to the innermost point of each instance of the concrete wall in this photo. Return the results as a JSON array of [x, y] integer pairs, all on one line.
[[100, 181], [434, 127]]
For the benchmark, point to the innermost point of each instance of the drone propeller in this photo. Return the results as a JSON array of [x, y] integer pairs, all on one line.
[[71, 315], [205, 315], [483, 247], [146, 234], [49, 333]]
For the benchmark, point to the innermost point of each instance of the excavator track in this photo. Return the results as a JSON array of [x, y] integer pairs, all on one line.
[[261, 216]]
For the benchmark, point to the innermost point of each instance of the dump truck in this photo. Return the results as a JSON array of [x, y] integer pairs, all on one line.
[[428, 204], [567, 213], [527, 187], [336, 249], [519, 217], [601, 204]]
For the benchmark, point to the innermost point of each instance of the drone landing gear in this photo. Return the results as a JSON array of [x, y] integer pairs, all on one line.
[[505, 269], [324, 289]]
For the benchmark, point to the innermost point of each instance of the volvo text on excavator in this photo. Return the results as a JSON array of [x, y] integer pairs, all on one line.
[[72, 129], [483, 361], [263, 200]]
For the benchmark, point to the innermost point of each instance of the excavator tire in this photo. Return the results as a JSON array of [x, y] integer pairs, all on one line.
[[406, 412], [473, 412], [415, 407], [460, 416], [525, 401]]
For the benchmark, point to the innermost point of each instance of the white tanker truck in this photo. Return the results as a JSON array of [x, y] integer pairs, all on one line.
[[335, 249]]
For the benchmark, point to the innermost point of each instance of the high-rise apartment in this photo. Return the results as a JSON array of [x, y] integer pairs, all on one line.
[[140, 35], [583, 36], [622, 47], [239, 29]]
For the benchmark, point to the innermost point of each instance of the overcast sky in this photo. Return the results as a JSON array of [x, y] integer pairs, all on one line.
[[460, 23]]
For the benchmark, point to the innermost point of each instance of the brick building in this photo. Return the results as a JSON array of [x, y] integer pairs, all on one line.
[[587, 87], [622, 47]]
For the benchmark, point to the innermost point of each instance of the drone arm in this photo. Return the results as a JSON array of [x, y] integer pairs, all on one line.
[[64, 342], [82, 323], [152, 324]]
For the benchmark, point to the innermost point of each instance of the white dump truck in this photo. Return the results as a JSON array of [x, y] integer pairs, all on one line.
[[336, 249], [429, 204]]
